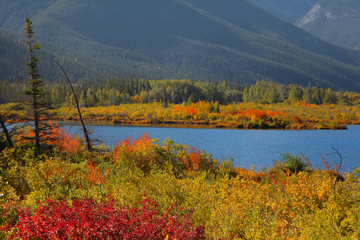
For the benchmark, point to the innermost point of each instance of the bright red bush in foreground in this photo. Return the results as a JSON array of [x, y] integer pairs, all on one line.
[[87, 219]]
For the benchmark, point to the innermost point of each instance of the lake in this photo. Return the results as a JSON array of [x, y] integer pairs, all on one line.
[[258, 148]]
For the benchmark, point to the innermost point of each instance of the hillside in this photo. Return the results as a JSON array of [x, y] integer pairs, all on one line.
[[290, 10], [231, 39], [14, 55], [334, 21], [11, 56]]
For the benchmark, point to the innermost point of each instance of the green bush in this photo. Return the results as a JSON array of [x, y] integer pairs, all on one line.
[[293, 163]]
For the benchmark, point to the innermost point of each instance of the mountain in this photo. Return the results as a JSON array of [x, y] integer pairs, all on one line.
[[11, 56], [290, 10], [228, 39], [14, 55], [334, 21]]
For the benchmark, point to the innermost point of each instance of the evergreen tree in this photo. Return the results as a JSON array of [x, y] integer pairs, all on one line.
[[164, 97], [35, 88], [99, 98], [112, 96], [83, 99], [91, 98], [317, 96]]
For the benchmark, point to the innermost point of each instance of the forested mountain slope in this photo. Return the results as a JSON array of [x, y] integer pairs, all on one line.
[[229, 39], [334, 21], [14, 55]]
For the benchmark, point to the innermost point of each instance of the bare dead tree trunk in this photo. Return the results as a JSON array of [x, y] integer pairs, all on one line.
[[86, 134], [6, 132], [338, 175]]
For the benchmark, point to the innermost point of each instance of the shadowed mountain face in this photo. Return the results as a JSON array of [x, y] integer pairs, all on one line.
[[228, 39], [334, 21], [14, 55], [290, 10]]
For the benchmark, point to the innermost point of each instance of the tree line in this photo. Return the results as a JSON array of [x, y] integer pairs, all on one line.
[[122, 90]]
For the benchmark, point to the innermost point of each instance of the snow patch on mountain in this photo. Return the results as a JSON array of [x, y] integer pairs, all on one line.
[[311, 16], [330, 15]]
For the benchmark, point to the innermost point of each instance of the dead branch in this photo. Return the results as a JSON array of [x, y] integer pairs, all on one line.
[[6, 132], [338, 176], [86, 134]]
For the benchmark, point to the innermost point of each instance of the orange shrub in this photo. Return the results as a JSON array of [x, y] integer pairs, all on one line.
[[54, 136], [139, 153], [256, 114], [95, 176], [193, 160]]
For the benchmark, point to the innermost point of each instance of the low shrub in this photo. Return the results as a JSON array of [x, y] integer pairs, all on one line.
[[293, 163], [87, 219]]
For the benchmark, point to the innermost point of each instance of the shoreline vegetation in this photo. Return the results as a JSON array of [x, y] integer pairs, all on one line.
[[167, 190], [285, 115], [214, 104]]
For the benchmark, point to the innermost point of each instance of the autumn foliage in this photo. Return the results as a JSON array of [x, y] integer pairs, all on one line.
[[143, 189], [53, 136], [138, 152], [143, 153], [284, 115], [87, 219]]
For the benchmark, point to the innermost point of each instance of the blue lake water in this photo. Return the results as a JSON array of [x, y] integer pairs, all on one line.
[[249, 147]]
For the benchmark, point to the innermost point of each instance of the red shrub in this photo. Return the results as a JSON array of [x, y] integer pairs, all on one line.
[[194, 159], [87, 219]]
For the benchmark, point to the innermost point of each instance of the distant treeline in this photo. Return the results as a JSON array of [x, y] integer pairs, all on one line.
[[115, 91]]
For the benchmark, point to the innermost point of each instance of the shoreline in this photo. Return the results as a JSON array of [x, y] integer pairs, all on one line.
[[200, 115], [190, 124]]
